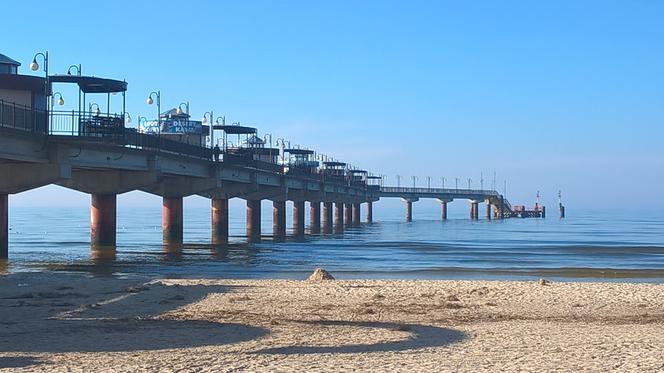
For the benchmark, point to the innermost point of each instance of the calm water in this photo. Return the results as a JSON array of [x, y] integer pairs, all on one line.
[[587, 245]]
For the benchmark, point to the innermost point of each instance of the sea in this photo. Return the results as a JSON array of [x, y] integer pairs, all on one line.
[[587, 245]]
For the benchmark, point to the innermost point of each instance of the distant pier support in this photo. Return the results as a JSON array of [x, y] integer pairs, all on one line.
[[298, 218], [314, 216], [219, 221], [4, 226], [348, 214], [253, 224], [489, 210], [562, 211], [327, 217], [357, 212], [443, 208], [172, 221], [102, 222], [369, 212], [339, 216], [278, 219], [474, 210]]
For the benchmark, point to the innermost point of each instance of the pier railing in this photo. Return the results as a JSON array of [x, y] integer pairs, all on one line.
[[21, 117], [451, 191]]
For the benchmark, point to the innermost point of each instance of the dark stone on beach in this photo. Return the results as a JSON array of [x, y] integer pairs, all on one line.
[[452, 298], [320, 275], [544, 282]]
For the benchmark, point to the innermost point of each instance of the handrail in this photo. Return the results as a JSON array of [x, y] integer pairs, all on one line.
[[385, 189]]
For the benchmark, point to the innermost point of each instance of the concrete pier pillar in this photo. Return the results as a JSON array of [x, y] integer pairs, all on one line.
[[474, 210], [348, 214], [253, 223], [172, 221], [369, 212], [543, 214], [219, 221], [562, 211], [489, 210], [443, 210], [278, 219], [327, 217], [339, 216], [4, 226], [314, 217], [409, 211], [298, 218], [103, 221], [357, 214]]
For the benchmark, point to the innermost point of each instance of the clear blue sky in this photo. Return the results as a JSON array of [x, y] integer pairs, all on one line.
[[549, 95]]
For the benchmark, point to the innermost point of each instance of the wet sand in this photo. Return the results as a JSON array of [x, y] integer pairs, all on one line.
[[67, 322]]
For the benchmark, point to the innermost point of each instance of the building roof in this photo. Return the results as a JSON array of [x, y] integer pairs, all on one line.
[[8, 61], [237, 130], [299, 151], [91, 84], [173, 113]]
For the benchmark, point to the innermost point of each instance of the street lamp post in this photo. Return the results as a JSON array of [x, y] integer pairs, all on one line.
[[78, 73], [179, 109], [221, 121], [140, 120], [150, 101], [469, 181], [207, 118], [34, 66], [61, 101], [456, 183], [443, 180], [428, 182], [481, 180], [97, 112], [414, 180], [398, 181]]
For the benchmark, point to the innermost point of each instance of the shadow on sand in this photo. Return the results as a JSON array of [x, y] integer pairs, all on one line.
[[124, 322], [423, 336]]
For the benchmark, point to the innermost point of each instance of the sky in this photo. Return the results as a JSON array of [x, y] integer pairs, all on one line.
[[557, 95]]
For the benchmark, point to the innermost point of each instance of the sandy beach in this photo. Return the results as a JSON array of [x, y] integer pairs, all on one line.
[[68, 322]]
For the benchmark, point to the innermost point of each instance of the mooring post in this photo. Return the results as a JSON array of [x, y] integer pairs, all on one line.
[[172, 220], [278, 219], [253, 220], [327, 217], [356, 214], [339, 216], [314, 216], [370, 212], [219, 221], [348, 214], [4, 226], [298, 218], [103, 221]]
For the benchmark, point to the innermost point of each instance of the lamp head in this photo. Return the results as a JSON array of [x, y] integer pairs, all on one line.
[[34, 66], [204, 120], [61, 101], [98, 112], [178, 111], [150, 101]]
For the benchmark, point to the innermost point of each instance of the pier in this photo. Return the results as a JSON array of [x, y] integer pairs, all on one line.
[[173, 156]]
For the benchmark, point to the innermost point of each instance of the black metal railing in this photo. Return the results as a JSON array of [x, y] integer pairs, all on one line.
[[110, 129], [22, 117]]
